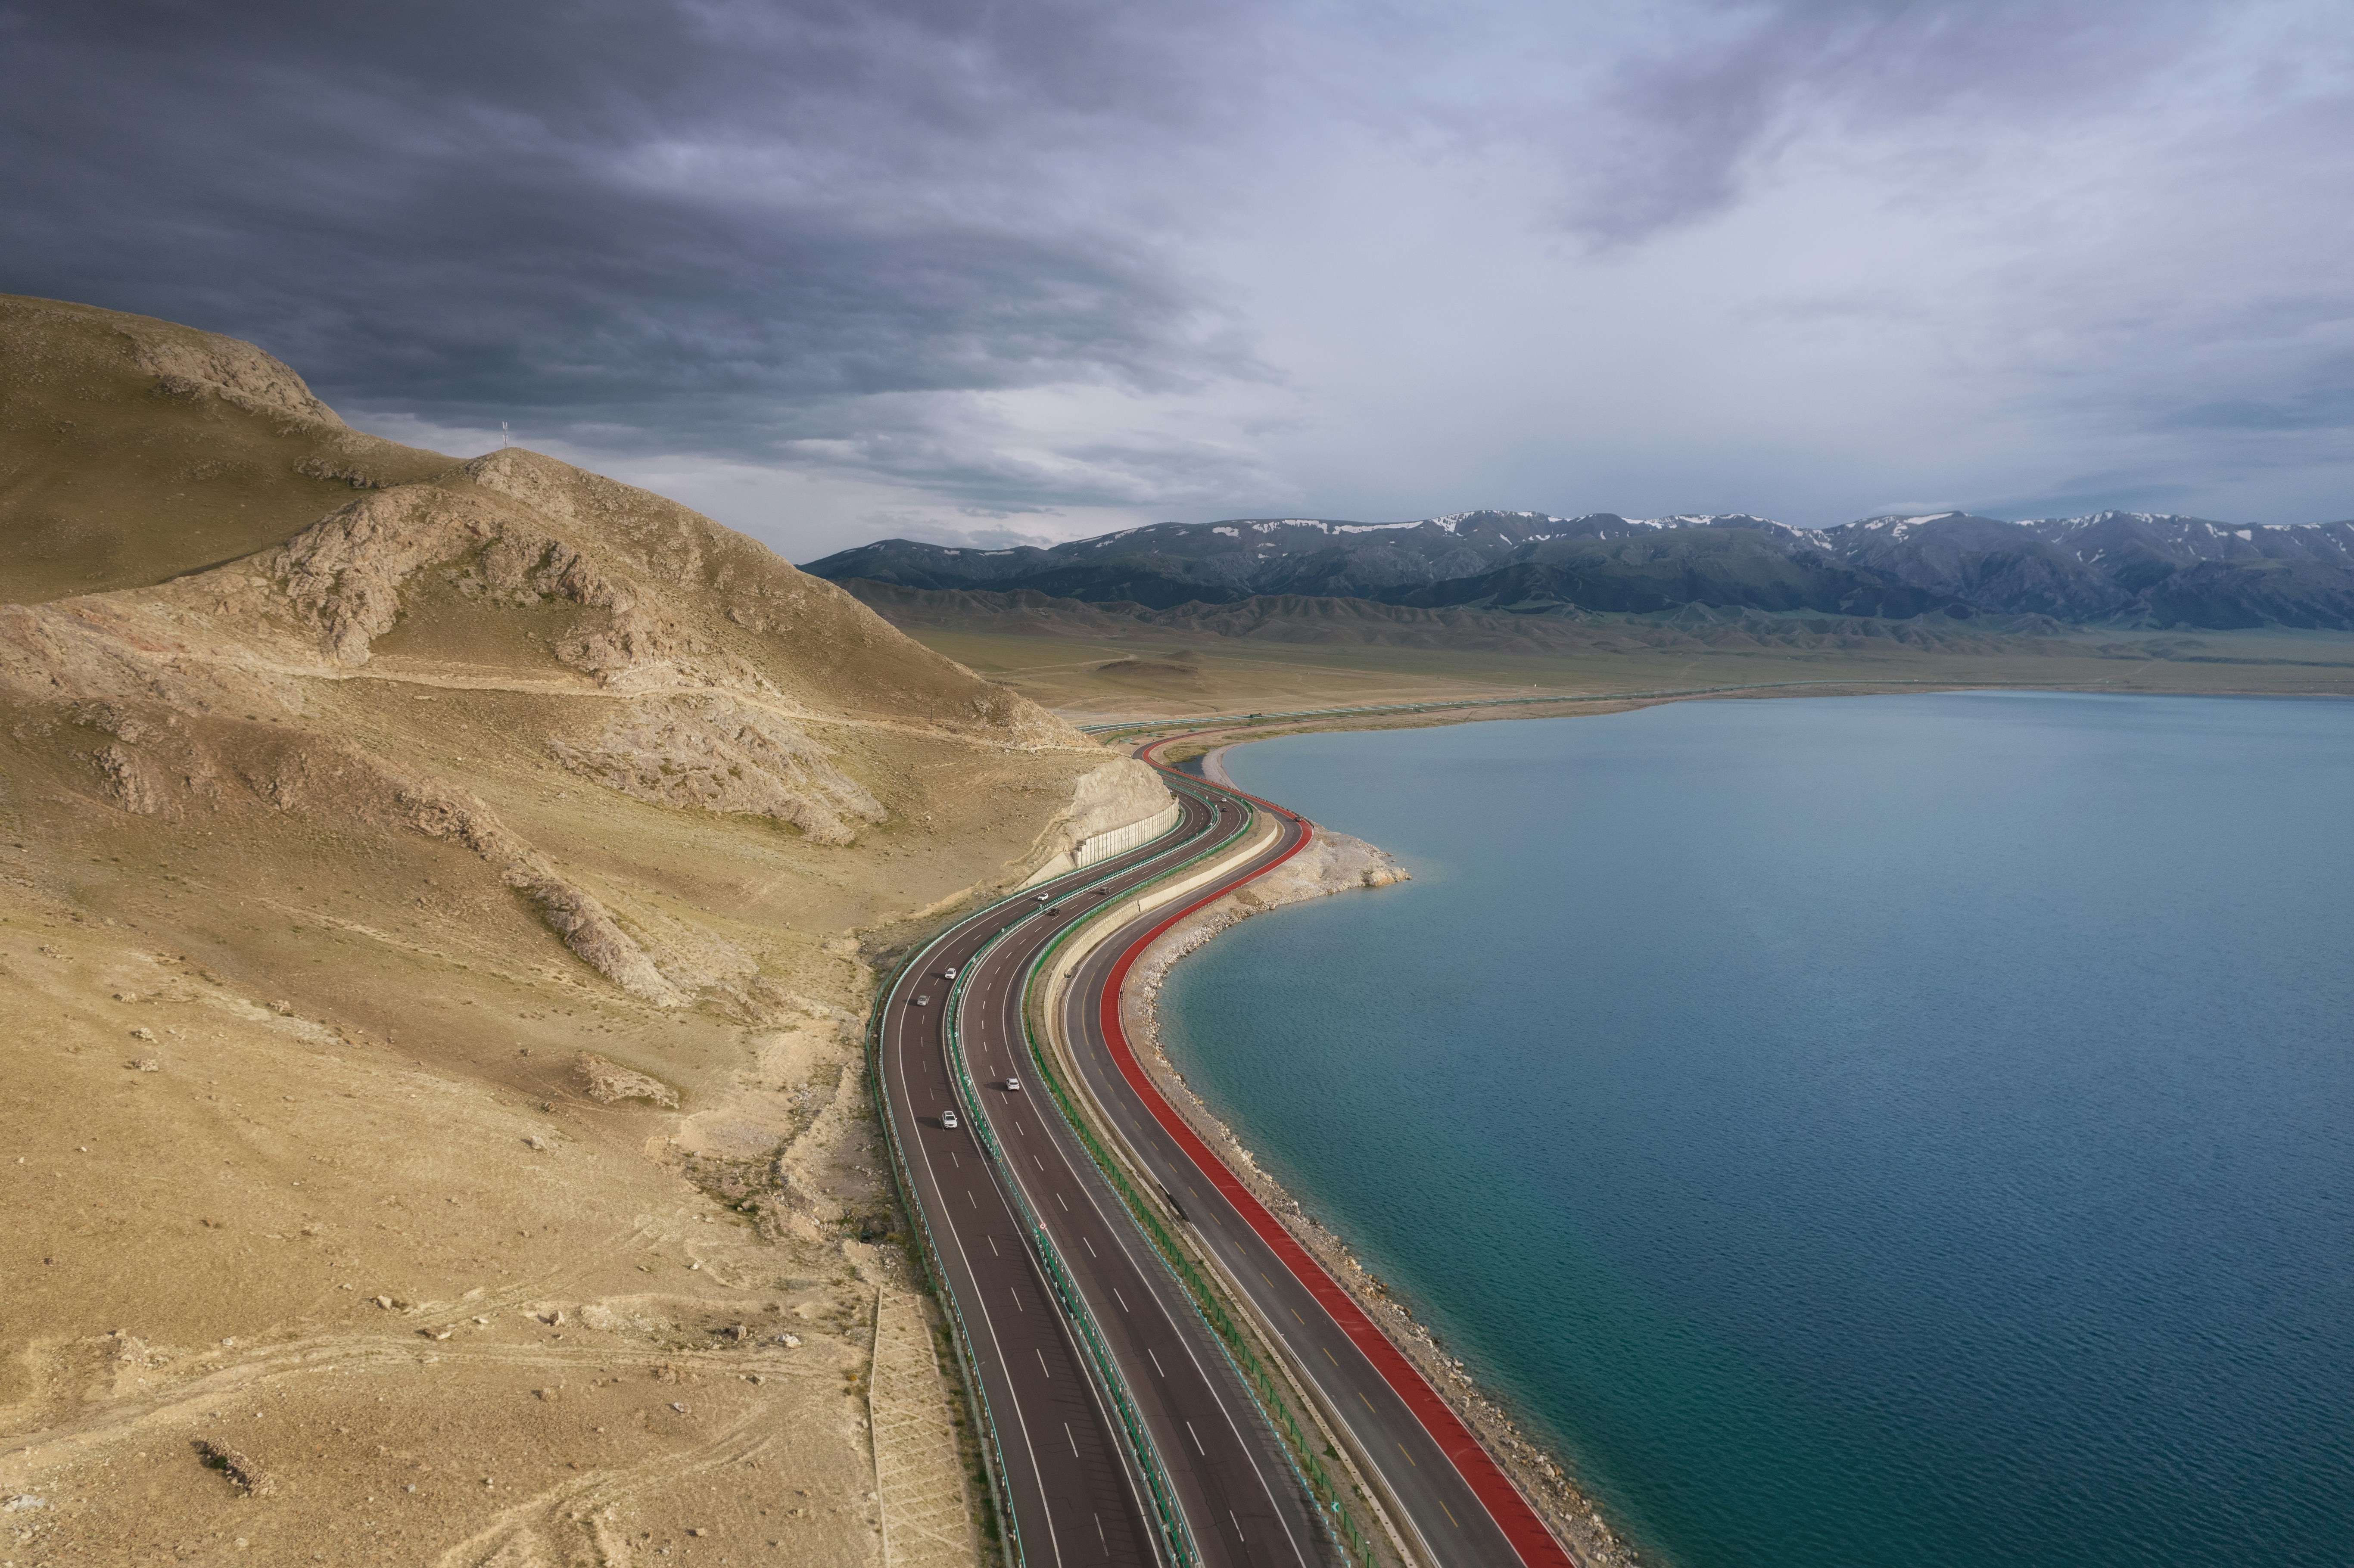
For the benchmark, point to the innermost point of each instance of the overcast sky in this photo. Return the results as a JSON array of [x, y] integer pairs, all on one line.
[[837, 271]]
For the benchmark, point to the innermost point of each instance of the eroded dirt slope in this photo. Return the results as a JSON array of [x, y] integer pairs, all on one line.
[[434, 945], [132, 449]]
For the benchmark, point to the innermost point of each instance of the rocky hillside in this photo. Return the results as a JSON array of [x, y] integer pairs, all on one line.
[[2114, 568], [437, 905], [1645, 574], [133, 450], [2128, 568]]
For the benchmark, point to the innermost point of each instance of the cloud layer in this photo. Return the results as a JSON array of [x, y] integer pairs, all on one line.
[[837, 269]]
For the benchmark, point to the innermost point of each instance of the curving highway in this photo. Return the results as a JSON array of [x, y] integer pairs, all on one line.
[[1121, 1430]]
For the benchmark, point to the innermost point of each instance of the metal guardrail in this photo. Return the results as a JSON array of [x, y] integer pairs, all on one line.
[[903, 1177], [1169, 1514], [1299, 1451]]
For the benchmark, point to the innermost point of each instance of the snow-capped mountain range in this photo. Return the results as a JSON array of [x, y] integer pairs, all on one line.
[[2126, 568]]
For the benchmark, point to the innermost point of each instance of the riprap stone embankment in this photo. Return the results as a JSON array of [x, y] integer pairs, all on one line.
[[1337, 862]]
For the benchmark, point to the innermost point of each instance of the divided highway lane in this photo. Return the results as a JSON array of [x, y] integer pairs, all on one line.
[[1230, 1479], [1076, 1494], [1461, 1507]]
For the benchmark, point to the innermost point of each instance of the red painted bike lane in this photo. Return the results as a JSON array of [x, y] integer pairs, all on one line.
[[1513, 1515]]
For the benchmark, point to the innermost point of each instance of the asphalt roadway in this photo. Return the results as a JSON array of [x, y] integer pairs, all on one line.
[[1077, 1493], [1078, 1496], [1459, 1507]]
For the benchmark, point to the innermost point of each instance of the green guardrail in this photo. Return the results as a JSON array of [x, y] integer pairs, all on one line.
[[1208, 1301], [1250, 1370], [1170, 1516], [903, 1177], [905, 1180]]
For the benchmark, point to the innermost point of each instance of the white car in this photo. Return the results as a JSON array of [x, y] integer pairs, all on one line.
[[948, 974], [948, 1120], [922, 1002], [1014, 1084]]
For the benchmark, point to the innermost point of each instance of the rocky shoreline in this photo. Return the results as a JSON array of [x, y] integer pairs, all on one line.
[[1336, 863]]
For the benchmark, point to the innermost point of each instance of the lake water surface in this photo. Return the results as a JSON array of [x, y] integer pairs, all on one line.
[[1892, 1131]]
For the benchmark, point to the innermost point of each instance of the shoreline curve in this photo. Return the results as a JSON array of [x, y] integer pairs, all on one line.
[[1538, 1480]]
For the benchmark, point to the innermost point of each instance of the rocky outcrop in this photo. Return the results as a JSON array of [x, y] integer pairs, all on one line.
[[702, 665], [1113, 808], [1332, 862], [126, 781], [192, 362], [712, 752], [608, 1082], [158, 763], [344, 575], [576, 914]]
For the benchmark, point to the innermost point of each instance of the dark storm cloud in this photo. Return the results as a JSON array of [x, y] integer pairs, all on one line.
[[696, 226], [1684, 123], [1089, 263]]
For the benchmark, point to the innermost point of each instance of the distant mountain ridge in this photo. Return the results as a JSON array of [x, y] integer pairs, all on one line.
[[2122, 568]]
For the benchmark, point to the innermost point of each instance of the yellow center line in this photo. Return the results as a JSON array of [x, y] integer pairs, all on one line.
[[1409, 1460], [1450, 1515]]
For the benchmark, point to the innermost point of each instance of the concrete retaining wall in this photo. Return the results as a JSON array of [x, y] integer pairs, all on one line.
[[1104, 845]]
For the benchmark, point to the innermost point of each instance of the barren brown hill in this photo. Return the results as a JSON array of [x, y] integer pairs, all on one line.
[[436, 906], [132, 451]]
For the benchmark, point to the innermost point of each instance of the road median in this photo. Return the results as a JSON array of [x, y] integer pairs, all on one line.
[[1293, 1408]]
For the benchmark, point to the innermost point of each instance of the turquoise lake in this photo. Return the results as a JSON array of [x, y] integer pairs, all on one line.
[[1893, 1131]]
